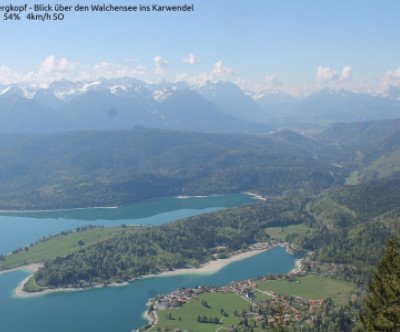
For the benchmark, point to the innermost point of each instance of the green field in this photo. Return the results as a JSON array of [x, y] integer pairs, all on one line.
[[30, 285], [61, 245], [280, 233], [353, 178], [261, 298], [312, 287], [185, 317]]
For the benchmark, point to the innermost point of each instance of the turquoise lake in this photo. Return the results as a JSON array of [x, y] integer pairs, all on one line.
[[22, 229], [113, 308]]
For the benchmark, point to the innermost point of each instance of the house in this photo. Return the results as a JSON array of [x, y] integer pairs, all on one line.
[[250, 295]]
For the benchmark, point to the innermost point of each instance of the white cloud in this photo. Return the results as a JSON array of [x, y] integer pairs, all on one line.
[[160, 64], [55, 69], [9, 76], [391, 78], [347, 73], [104, 67], [191, 59], [272, 81], [364, 85], [327, 77], [219, 72], [246, 85], [114, 70], [50, 69], [85, 76], [179, 77], [222, 71], [142, 69]]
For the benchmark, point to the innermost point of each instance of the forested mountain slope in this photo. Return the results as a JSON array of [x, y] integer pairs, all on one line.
[[371, 150], [381, 160], [354, 222], [351, 226], [93, 168], [104, 168], [343, 140]]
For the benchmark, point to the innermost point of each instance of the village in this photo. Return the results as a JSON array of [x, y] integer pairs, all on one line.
[[266, 307]]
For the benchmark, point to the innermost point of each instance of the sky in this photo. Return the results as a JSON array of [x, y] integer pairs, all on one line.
[[291, 46]]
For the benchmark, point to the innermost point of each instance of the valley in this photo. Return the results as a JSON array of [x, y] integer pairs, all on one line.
[[210, 166], [333, 194]]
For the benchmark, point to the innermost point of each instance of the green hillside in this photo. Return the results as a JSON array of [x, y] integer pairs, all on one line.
[[347, 224], [62, 245], [106, 168]]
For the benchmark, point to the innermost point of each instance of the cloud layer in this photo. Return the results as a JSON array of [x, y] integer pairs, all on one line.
[[52, 68]]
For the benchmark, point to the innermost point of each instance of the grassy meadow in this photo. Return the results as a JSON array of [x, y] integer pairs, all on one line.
[[185, 317], [60, 245], [312, 287], [280, 233]]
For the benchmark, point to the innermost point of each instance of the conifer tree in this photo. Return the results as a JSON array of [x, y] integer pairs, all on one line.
[[279, 326], [381, 307]]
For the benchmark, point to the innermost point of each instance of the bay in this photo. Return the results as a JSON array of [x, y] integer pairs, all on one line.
[[118, 309], [113, 308]]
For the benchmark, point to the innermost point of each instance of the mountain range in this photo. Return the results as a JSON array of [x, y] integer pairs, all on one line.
[[219, 107]]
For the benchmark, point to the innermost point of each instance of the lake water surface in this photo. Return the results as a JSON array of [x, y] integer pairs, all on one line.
[[22, 229], [116, 309]]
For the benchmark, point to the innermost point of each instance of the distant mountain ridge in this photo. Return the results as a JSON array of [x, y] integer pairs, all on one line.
[[220, 107], [326, 107], [121, 104]]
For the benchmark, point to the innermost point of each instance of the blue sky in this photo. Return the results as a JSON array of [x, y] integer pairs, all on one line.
[[294, 46]]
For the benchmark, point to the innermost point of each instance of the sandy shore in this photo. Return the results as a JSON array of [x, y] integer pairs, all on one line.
[[185, 197], [19, 291], [207, 268], [257, 196], [211, 266], [30, 267], [297, 269], [261, 198]]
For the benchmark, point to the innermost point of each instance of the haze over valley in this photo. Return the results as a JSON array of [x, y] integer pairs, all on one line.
[[218, 107], [232, 168]]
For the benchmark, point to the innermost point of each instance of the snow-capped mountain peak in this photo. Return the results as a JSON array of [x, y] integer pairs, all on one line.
[[162, 94]]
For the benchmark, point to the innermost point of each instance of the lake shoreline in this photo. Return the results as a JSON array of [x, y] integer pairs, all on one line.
[[59, 210], [29, 267], [257, 196], [208, 268], [153, 318]]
